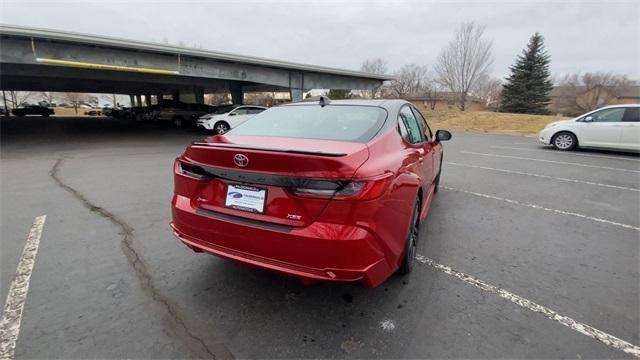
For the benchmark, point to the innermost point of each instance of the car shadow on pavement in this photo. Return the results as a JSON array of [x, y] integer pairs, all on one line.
[[278, 313]]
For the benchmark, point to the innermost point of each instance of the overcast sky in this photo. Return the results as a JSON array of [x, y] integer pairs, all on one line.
[[581, 36]]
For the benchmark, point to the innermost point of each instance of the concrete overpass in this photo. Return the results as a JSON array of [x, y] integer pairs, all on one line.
[[45, 60]]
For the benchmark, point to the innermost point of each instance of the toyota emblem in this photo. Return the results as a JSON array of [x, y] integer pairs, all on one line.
[[241, 160]]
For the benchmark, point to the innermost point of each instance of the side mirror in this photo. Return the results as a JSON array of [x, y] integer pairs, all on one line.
[[232, 114], [588, 119], [443, 135]]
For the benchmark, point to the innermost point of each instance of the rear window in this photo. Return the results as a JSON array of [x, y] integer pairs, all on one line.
[[333, 122]]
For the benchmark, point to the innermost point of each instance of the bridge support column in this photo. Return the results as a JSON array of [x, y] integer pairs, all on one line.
[[296, 94], [199, 92], [237, 96], [138, 100], [132, 100], [147, 100], [296, 86]]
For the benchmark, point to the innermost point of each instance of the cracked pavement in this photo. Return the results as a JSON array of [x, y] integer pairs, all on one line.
[[110, 280]]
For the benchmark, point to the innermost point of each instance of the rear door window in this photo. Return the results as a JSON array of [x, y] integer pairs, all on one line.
[[426, 130], [241, 111], [409, 127], [632, 114]]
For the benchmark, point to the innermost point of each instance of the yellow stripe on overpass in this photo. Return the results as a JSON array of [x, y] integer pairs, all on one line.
[[106, 67]]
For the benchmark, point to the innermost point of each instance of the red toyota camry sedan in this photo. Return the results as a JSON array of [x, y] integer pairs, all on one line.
[[328, 190]]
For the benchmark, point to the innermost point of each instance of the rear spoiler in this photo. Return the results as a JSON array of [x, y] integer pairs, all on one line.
[[249, 147]]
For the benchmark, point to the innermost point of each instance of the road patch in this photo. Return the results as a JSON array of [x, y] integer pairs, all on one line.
[[544, 176], [539, 207], [549, 161], [572, 324], [567, 153]]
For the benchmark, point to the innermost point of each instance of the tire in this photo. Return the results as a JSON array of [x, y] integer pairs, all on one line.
[[178, 122], [411, 244], [221, 127], [564, 141]]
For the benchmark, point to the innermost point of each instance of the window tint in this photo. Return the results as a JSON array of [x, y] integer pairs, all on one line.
[[331, 122], [225, 109], [608, 115], [426, 130], [632, 114], [241, 111], [255, 110], [414, 133]]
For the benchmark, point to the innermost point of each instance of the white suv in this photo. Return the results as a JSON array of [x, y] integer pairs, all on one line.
[[611, 127], [228, 117]]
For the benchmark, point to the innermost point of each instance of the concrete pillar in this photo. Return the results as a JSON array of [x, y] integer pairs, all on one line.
[[139, 100], [199, 92], [237, 96], [147, 100], [296, 85], [296, 94], [132, 100]]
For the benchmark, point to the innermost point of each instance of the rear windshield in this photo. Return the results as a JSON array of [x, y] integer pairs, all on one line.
[[332, 122]]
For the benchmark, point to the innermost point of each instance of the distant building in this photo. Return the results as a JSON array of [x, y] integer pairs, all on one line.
[[445, 101], [575, 100]]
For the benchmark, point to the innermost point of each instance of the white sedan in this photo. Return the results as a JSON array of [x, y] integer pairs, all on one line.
[[228, 117], [614, 127]]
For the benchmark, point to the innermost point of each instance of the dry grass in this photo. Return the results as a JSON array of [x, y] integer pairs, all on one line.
[[62, 111], [489, 122]]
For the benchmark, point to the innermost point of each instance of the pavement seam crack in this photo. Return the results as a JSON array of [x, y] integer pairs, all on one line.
[[134, 259]]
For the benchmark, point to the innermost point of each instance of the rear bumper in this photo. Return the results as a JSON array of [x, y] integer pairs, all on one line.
[[321, 251]]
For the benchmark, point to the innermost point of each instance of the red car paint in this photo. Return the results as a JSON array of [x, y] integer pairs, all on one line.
[[333, 237]]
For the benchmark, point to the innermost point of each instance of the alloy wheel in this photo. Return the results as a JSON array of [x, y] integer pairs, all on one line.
[[221, 128], [563, 141]]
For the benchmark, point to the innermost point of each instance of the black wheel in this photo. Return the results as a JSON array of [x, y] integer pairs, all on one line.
[[178, 122], [411, 246], [564, 141], [221, 127]]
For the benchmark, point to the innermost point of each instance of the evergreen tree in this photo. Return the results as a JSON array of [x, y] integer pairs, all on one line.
[[527, 88]]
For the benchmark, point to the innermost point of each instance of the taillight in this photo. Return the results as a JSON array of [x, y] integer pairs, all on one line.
[[358, 189], [191, 171]]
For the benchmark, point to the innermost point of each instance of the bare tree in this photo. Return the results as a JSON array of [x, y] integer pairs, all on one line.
[[48, 97], [431, 94], [374, 66], [217, 99], [488, 89], [410, 79], [13, 99], [581, 93], [75, 99], [466, 59]]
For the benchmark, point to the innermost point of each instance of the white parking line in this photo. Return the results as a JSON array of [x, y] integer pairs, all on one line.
[[12, 314], [544, 176], [572, 324], [539, 207], [549, 161], [568, 153]]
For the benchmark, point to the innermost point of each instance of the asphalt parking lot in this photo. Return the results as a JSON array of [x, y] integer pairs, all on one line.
[[111, 281]]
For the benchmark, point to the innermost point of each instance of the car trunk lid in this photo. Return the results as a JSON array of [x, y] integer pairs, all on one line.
[[255, 168]]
